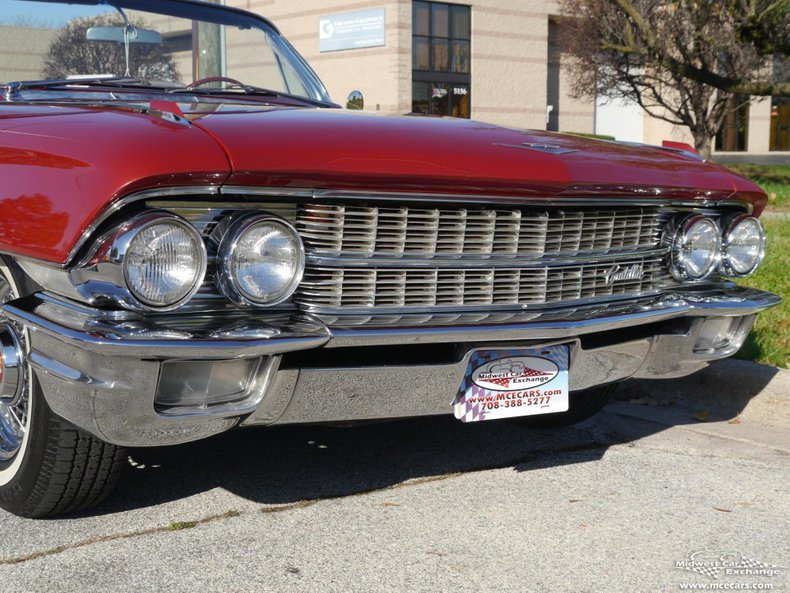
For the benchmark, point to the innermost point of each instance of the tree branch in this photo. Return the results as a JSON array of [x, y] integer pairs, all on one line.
[[686, 69]]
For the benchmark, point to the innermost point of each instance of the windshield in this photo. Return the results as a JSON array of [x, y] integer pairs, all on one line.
[[173, 43]]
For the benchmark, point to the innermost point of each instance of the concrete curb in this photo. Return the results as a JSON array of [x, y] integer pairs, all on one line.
[[726, 389]]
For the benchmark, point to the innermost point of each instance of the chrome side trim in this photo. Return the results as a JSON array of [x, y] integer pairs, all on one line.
[[622, 256], [168, 192], [197, 338], [280, 192], [479, 199], [559, 323]]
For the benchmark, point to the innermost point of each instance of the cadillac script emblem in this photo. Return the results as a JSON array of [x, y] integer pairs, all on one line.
[[619, 273]]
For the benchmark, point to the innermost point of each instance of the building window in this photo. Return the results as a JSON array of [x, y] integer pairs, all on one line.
[[733, 134], [780, 124], [441, 63]]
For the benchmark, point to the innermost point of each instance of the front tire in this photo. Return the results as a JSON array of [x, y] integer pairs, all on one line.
[[59, 468], [47, 466]]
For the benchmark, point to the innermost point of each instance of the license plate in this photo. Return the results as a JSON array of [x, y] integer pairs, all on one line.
[[511, 383]]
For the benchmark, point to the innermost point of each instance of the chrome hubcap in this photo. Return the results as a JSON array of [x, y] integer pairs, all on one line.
[[14, 393], [13, 420]]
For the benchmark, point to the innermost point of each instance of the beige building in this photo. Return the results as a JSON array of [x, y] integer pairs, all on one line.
[[23, 51], [496, 61]]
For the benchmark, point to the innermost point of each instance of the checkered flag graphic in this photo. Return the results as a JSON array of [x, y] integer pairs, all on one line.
[[747, 562], [504, 382], [470, 411], [534, 373], [708, 571]]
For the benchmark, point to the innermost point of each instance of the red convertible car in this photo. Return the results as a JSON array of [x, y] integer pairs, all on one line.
[[194, 238]]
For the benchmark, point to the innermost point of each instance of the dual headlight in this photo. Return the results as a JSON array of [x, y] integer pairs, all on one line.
[[158, 262], [260, 260], [700, 247], [163, 260]]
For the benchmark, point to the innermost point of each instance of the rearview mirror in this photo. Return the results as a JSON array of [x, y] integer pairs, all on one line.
[[116, 34]]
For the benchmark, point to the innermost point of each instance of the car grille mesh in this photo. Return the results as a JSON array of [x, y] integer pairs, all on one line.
[[425, 232], [364, 257], [395, 288]]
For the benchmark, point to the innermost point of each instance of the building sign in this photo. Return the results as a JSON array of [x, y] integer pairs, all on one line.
[[353, 30]]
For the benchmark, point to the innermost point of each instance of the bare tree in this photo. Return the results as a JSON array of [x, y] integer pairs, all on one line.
[[70, 53], [682, 61]]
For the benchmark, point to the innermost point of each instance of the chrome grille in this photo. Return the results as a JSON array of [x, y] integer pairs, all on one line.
[[401, 231], [396, 262], [390, 289]]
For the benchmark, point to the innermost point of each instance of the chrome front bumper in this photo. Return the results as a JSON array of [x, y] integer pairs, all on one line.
[[103, 372]]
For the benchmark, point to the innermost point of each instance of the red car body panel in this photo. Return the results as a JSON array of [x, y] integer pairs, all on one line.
[[62, 166]]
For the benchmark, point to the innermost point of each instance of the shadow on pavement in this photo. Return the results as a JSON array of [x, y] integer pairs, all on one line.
[[283, 465]]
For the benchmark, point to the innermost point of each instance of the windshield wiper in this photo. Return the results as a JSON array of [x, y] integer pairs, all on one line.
[[117, 82], [121, 82], [247, 90]]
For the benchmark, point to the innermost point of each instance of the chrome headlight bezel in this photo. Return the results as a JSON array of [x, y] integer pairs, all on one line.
[[727, 267], [124, 241], [102, 277], [679, 245], [234, 230]]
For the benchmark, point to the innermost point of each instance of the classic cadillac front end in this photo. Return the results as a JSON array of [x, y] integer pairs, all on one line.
[[396, 292], [242, 263]]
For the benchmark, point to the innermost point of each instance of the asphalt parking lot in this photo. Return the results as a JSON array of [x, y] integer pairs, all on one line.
[[695, 470]]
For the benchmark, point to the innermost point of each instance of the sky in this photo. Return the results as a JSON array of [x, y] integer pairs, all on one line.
[[44, 14]]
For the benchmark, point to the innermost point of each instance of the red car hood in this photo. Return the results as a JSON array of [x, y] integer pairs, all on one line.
[[328, 148]]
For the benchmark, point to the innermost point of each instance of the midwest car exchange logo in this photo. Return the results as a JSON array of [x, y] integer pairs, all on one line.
[[522, 372], [716, 562]]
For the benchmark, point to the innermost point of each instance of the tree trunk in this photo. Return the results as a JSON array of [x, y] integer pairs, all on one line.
[[703, 145]]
